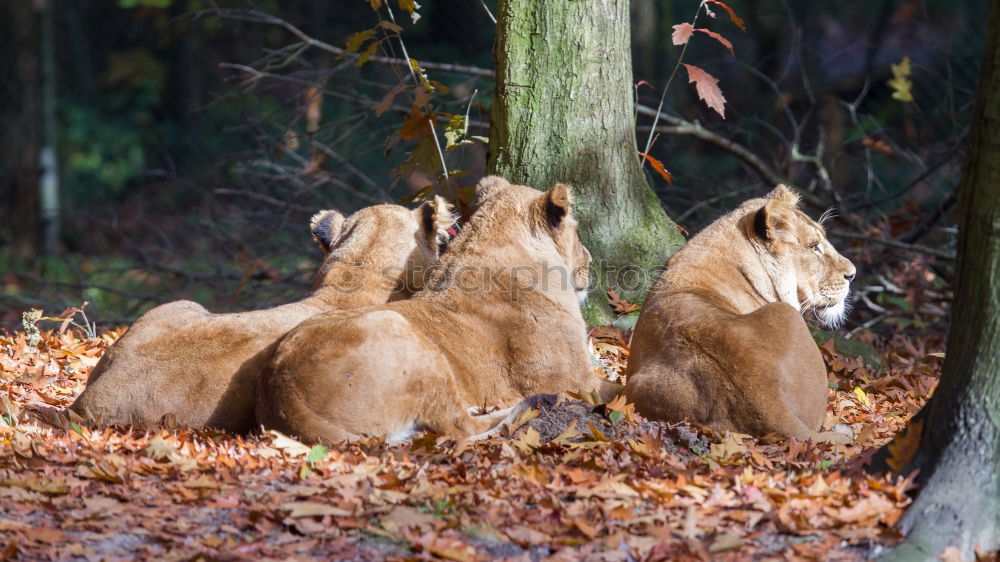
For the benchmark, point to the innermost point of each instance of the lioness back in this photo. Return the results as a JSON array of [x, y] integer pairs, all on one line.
[[721, 339], [509, 280], [200, 368]]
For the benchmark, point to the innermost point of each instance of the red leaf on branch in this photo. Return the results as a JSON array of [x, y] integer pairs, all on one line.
[[708, 88], [732, 15], [725, 42], [682, 32], [658, 166]]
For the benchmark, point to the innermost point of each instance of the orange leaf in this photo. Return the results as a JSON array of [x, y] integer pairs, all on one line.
[[658, 166], [682, 32], [708, 88], [725, 42], [732, 15]]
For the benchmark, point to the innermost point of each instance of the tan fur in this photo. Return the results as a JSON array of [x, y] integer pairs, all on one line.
[[179, 359], [720, 339], [499, 321]]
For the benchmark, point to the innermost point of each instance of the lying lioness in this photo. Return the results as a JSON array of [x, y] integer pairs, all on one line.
[[499, 321], [720, 339], [182, 360]]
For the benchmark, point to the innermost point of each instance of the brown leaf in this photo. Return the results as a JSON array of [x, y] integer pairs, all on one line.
[[620, 306], [708, 88], [403, 516], [416, 126], [313, 509]]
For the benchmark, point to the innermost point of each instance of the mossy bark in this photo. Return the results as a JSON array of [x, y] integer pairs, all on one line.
[[959, 453], [563, 112]]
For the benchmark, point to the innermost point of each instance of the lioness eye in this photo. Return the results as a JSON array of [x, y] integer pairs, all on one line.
[[816, 248]]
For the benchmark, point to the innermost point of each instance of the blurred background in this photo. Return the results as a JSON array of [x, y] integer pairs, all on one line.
[[163, 149]]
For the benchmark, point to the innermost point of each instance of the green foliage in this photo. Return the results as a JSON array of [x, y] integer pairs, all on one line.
[[317, 453]]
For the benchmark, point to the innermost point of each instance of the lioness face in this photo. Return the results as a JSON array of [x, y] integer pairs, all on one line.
[[824, 276], [821, 276]]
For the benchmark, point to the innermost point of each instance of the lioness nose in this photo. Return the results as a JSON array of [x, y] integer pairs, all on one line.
[[849, 277]]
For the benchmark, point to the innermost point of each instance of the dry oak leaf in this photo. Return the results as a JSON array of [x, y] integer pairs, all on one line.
[[708, 88], [731, 444], [869, 510]]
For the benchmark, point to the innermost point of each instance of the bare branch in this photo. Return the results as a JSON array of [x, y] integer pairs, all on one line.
[[917, 248]]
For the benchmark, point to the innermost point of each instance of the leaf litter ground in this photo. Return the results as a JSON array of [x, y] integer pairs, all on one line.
[[573, 480]]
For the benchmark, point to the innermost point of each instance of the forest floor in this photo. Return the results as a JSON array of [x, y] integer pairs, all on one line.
[[574, 479]]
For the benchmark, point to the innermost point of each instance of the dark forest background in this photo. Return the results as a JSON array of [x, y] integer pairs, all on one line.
[[191, 147]]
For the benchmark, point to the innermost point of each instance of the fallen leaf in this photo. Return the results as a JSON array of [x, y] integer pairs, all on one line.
[[528, 441], [287, 445], [724, 542], [313, 509], [404, 516]]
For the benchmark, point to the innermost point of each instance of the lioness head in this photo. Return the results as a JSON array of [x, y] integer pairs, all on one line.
[[805, 267], [394, 243], [549, 218]]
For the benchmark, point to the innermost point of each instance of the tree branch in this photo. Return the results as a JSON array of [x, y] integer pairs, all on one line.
[[895, 244]]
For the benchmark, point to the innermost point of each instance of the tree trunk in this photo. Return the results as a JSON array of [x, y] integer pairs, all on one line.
[[564, 112], [49, 183], [20, 117], [959, 452]]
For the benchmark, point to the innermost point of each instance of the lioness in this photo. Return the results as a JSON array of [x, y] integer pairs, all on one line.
[[720, 339], [499, 321], [199, 367]]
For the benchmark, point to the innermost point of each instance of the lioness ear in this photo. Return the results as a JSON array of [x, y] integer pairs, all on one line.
[[558, 202], [488, 186], [435, 220], [767, 221], [325, 227], [785, 194]]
